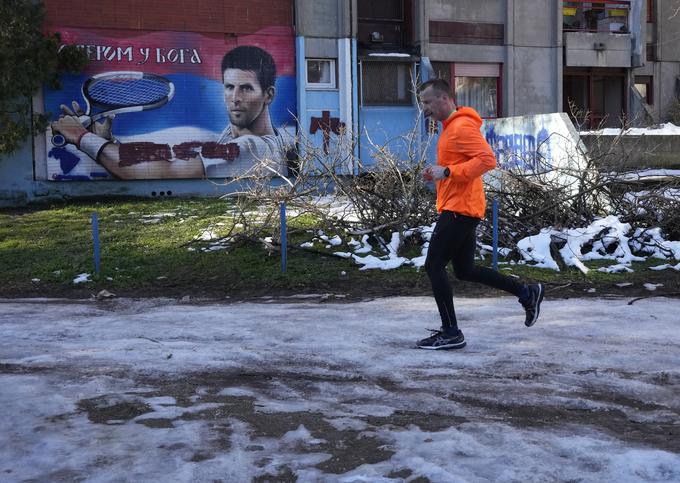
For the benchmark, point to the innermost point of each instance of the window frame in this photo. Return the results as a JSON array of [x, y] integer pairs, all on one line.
[[409, 69], [499, 83], [332, 85], [648, 81], [590, 16], [590, 75]]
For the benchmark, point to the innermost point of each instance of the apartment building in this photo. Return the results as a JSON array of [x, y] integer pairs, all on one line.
[[604, 61], [340, 66], [613, 59]]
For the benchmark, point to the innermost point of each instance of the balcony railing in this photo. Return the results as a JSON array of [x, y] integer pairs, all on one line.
[[595, 16]]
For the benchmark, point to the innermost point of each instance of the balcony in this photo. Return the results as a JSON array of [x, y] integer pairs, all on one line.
[[385, 25], [597, 33], [596, 16]]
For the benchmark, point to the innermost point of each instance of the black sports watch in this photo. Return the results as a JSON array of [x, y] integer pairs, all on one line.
[[447, 172]]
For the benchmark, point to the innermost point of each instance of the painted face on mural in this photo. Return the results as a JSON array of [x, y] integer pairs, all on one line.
[[436, 105], [244, 98]]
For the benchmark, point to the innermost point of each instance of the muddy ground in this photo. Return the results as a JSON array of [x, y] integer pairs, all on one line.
[[132, 388]]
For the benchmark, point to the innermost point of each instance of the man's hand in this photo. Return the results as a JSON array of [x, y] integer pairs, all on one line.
[[435, 173], [70, 127], [71, 124]]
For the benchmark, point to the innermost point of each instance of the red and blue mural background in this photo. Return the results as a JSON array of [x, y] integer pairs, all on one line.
[[192, 62]]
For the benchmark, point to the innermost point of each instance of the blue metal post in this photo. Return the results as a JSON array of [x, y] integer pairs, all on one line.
[[95, 241], [494, 256], [284, 241]]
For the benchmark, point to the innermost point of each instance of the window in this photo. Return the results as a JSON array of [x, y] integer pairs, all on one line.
[[650, 11], [442, 70], [384, 22], [481, 93], [474, 85], [651, 52], [597, 96], [596, 16], [321, 73], [386, 84], [643, 84], [381, 10]]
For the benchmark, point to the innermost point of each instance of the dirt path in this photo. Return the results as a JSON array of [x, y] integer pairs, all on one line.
[[151, 390]]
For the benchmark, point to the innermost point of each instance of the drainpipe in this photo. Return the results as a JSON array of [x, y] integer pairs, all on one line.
[[559, 59], [301, 88], [354, 60], [509, 67], [635, 23]]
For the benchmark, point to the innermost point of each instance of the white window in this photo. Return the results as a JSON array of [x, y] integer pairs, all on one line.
[[474, 85], [321, 73], [480, 93]]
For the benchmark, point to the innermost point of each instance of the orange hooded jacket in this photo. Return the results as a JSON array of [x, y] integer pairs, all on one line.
[[463, 150]]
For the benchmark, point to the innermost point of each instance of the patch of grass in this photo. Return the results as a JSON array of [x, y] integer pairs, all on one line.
[[151, 247]]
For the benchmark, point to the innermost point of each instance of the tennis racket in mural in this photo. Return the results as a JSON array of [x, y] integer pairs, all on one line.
[[118, 92]]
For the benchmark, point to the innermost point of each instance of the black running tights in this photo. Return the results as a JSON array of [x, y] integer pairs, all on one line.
[[454, 239]]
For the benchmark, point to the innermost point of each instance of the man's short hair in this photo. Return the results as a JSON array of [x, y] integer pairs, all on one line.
[[440, 86], [249, 57]]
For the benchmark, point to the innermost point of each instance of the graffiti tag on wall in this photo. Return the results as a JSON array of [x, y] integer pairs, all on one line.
[[327, 125], [529, 152]]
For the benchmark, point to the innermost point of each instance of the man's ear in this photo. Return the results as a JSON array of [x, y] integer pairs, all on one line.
[[269, 94]]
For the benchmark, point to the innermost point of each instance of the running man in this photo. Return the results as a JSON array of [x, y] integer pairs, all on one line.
[[463, 156]]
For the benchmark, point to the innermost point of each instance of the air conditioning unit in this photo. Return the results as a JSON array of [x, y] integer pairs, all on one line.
[[376, 37]]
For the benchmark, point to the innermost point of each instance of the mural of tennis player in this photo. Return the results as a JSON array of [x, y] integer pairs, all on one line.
[[250, 139]]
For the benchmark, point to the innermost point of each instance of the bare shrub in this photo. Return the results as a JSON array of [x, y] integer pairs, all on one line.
[[674, 112], [653, 206], [330, 189], [333, 186], [589, 183], [387, 194]]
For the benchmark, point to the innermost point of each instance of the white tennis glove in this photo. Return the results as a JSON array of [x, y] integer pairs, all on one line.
[[435, 173]]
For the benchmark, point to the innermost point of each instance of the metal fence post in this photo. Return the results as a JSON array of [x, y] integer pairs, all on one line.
[[284, 241], [494, 256], [95, 242]]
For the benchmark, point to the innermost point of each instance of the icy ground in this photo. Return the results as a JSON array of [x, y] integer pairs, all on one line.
[[663, 129], [159, 391]]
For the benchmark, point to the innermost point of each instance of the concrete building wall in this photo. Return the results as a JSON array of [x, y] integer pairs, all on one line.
[[638, 31], [668, 68], [661, 36], [492, 11], [668, 25], [534, 59], [526, 16], [534, 87], [323, 18], [668, 81], [321, 48], [16, 176], [536, 143], [466, 53], [633, 152], [228, 16], [595, 49]]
